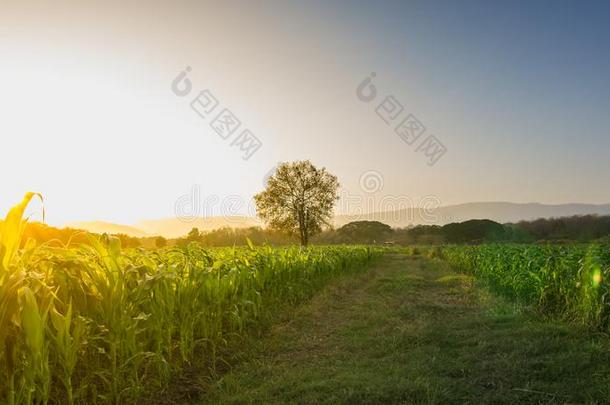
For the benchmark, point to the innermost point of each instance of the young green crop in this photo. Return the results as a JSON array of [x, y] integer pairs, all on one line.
[[566, 280], [99, 324]]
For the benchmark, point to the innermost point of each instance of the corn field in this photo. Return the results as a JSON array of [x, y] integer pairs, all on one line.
[[100, 324], [569, 281]]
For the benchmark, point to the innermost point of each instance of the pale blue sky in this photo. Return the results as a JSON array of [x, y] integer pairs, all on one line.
[[518, 92]]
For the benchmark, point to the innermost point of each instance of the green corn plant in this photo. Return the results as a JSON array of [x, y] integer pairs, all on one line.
[[11, 230], [590, 306], [9, 334], [11, 281], [36, 374], [69, 336], [566, 281], [99, 324], [110, 274]]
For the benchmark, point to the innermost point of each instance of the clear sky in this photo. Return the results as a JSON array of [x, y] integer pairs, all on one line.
[[518, 92]]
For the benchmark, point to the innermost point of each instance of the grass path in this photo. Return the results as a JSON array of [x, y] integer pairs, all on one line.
[[412, 331]]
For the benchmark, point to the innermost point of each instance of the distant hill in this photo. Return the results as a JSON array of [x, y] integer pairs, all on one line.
[[502, 212], [168, 227], [107, 227], [174, 227]]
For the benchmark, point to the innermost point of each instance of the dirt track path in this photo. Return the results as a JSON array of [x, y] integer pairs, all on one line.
[[412, 331]]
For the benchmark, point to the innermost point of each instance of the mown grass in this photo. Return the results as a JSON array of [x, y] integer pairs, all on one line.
[[413, 331]]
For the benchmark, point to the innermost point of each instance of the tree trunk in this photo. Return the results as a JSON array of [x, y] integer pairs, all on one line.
[[303, 227], [304, 238]]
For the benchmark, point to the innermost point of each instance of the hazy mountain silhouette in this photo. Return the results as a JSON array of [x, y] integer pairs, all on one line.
[[502, 212], [107, 227], [168, 227], [174, 227]]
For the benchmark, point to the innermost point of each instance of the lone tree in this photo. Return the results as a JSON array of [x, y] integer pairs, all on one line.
[[299, 198]]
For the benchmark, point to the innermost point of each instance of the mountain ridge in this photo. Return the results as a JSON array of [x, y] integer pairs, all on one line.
[[502, 211]]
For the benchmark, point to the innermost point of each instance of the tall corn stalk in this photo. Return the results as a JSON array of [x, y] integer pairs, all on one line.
[[19, 315]]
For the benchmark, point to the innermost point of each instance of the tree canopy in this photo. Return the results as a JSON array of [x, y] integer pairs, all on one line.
[[299, 199], [365, 232]]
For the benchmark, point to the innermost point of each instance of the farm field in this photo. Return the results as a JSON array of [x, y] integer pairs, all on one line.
[[99, 324], [494, 323], [304, 202], [412, 330], [566, 281]]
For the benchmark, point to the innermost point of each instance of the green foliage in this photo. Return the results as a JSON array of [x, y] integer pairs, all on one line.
[[239, 236], [472, 231], [194, 235], [568, 280], [476, 230], [581, 228], [102, 324], [299, 199], [359, 232], [160, 242]]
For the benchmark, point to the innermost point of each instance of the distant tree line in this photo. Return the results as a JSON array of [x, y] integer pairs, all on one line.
[[473, 231], [227, 236], [585, 228]]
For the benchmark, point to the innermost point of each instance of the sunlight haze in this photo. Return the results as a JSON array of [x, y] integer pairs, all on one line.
[[92, 122]]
